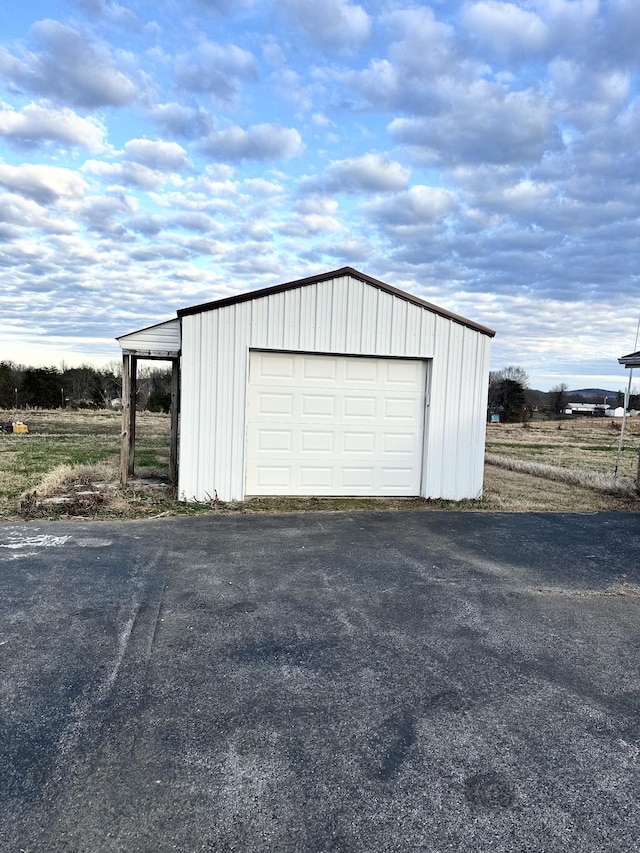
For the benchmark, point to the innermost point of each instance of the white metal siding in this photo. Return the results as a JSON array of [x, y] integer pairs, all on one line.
[[346, 316], [165, 337]]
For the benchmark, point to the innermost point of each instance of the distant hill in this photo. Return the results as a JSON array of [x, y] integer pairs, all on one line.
[[593, 392]]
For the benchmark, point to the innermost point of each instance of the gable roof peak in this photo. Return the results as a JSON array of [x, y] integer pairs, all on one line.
[[343, 272]]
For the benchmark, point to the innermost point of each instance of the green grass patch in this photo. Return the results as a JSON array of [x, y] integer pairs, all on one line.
[[73, 438]]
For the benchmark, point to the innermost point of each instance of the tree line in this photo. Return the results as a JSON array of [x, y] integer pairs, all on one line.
[[83, 387], [510, 398]]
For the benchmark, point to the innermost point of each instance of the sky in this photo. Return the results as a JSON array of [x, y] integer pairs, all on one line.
[[482, 155]]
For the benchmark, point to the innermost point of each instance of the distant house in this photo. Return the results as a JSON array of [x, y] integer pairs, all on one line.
[[336, 384], [590, 409]]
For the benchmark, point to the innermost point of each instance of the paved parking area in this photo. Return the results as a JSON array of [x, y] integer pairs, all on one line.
[[321, 682]]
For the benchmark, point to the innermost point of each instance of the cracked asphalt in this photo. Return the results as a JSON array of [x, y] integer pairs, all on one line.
[[321, 682]]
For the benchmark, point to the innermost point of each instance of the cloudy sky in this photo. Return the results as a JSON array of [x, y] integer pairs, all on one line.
[[483, 155]]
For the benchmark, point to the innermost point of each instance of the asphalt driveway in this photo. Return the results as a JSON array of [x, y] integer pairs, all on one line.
[[349, 682]]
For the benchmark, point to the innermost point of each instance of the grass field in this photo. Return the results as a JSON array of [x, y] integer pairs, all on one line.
[[562, 465], [545, 466], [70, 443]]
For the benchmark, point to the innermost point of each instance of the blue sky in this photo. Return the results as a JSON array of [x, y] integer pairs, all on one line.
[[482, 155]]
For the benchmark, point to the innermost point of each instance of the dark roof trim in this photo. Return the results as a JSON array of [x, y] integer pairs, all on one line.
[[151, 354], [313, 279], [632, 360]]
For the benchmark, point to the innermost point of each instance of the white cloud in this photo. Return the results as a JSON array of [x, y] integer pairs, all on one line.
[[100, 213], [112, 11], [37, 124], [144, 163], [585, 96], [45, 184], [484, 124], [313, 215], [415, 206], [262, 188], [178, 120], [217, 70], [379, 85], [506, 29], [290, 86], [621, 31], [425, 44], [70, 66], [156, 154], [423, 60], [330, 23], [369, 173], [25, 213], [259, 142]]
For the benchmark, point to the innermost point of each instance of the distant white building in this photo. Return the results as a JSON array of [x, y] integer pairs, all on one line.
[[592, 409]]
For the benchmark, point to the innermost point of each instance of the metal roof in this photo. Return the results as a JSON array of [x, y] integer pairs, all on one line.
[[343, 271], [631, 360]]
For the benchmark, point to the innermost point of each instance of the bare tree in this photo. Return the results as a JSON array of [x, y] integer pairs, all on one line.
[[516, 374], [558, 398]]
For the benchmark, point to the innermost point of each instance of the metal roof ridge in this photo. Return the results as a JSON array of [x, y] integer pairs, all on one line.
[[320, 277]]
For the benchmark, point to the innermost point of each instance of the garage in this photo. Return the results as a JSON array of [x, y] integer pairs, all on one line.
[[334, 425], [337, 384]]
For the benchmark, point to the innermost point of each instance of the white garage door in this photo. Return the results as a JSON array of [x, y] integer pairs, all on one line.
[[334, 425]]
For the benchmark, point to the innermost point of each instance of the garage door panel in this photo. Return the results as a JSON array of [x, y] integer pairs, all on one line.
[[334, 425], [398, 442], [396, 478], [358, 442], [317, 442], [360, 370], [269, 477], [315, 477], [402, 373], [400, 409], [318, 406], [280, 366], [363, 408], [359, 477], [274, 440], [275, 404], [313, 369]]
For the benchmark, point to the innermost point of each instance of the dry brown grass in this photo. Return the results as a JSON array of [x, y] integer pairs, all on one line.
[[598, 480], [514, 491], [561, 466], [590, 444], [62, 476]]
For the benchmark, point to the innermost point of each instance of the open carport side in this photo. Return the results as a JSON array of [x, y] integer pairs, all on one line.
[[352, 682]]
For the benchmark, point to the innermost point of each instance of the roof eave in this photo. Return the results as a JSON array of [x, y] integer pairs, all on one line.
[[631, 360], [339, 273]]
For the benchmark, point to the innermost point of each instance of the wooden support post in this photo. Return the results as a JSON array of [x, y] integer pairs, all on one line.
[[128, 437], [175, 412]]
